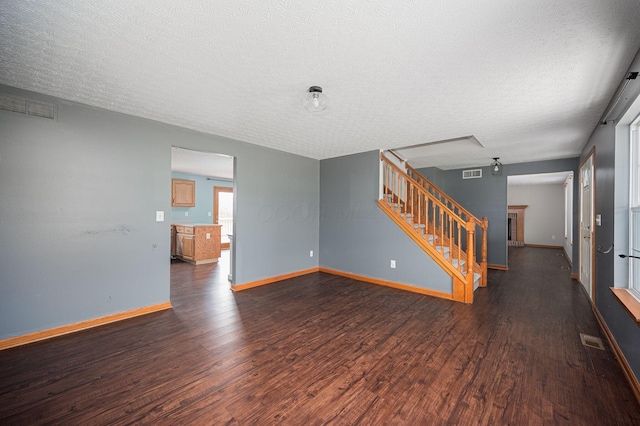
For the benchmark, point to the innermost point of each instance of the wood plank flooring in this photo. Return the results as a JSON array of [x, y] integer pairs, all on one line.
[[321, 349]]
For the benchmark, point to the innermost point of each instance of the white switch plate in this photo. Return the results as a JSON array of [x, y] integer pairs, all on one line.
[[310, 253], [209, 213], [599, 220], [186, 213], [159, 216], [393, 263], [208, 236]]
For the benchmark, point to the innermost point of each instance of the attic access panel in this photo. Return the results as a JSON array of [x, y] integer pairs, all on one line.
[[441, 153]]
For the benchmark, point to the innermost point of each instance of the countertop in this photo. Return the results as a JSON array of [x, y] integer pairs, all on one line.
[[195, 224]]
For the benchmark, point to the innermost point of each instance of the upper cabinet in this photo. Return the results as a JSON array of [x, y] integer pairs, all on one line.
[[183, 193]]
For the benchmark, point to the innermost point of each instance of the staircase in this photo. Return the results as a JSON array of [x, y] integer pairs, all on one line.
[[440, 226]]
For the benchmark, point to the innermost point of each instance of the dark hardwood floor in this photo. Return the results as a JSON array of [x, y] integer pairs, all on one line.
[[321, 349]]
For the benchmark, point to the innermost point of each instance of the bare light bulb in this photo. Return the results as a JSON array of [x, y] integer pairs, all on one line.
[[315, 100], [497, 167]]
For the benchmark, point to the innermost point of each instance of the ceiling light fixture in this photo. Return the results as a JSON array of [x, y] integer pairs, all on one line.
[[496, 167], [315, 100]]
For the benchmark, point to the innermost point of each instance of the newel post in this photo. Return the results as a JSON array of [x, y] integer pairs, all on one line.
[[471, 242], [483, 264]]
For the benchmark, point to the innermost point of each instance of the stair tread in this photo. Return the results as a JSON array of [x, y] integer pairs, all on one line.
[[450, 253], [476, 279]]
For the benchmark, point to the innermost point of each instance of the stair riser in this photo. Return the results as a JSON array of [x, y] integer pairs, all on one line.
[[423, 206]]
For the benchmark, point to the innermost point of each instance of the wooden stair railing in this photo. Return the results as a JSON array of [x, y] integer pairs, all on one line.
[[482, 224], [438, 224]]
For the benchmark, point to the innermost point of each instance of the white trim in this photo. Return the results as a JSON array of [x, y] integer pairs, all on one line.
[[634, 208], [623, 192]]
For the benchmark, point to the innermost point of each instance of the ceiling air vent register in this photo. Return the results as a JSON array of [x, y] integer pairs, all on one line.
[[27, 107], [472, 174]]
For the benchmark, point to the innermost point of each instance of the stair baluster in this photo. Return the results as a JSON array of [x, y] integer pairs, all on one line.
[[443, 228]]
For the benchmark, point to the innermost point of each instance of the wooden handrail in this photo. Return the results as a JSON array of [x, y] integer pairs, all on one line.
[[431, 196], [397, 156], [430, 185], [443, 208], [418, 204]]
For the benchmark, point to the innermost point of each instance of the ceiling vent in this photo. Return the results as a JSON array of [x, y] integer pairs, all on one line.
[[472, 174], [27, 107]]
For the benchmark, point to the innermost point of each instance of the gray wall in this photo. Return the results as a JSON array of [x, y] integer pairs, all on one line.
[[544, 216], [434, 174], [357, 237], [623, 328], [611, 144], [78, 198], [488, 197]]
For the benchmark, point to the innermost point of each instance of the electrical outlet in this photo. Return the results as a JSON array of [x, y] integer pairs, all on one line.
[[159, 216], [310, 253], [186, 213], [393, 263], [553, 237], [208, 236], [209, 214]]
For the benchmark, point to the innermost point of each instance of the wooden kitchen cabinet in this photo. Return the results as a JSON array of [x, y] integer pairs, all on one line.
[[183, 193], [198, 244], [185, 246]]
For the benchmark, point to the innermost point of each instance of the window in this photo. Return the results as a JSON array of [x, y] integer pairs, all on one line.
[[627, 210], [634, 210]]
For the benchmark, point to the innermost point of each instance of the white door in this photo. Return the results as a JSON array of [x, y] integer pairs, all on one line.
[[587, 190]]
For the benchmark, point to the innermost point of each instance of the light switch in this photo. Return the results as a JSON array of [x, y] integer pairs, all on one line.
[[159, 216], [208, 236], [209, 214], [186, 213], [598, 220]]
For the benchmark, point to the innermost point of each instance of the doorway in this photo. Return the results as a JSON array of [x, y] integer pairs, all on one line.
[[205, 171], [515, 226], [223, 212], [549, 213], [587, 234]]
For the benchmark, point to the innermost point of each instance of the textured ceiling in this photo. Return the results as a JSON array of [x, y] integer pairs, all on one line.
[[529, 79], [201, 163], [558, 178]]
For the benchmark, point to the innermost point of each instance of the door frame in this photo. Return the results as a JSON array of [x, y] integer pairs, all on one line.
[[591, 286], [216, 191]]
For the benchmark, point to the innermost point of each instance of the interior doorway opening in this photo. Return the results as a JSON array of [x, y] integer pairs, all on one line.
[[204, 219], [548, 219]]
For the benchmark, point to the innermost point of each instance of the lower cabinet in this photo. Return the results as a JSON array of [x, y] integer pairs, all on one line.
[[197, 243], [185, 246]]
